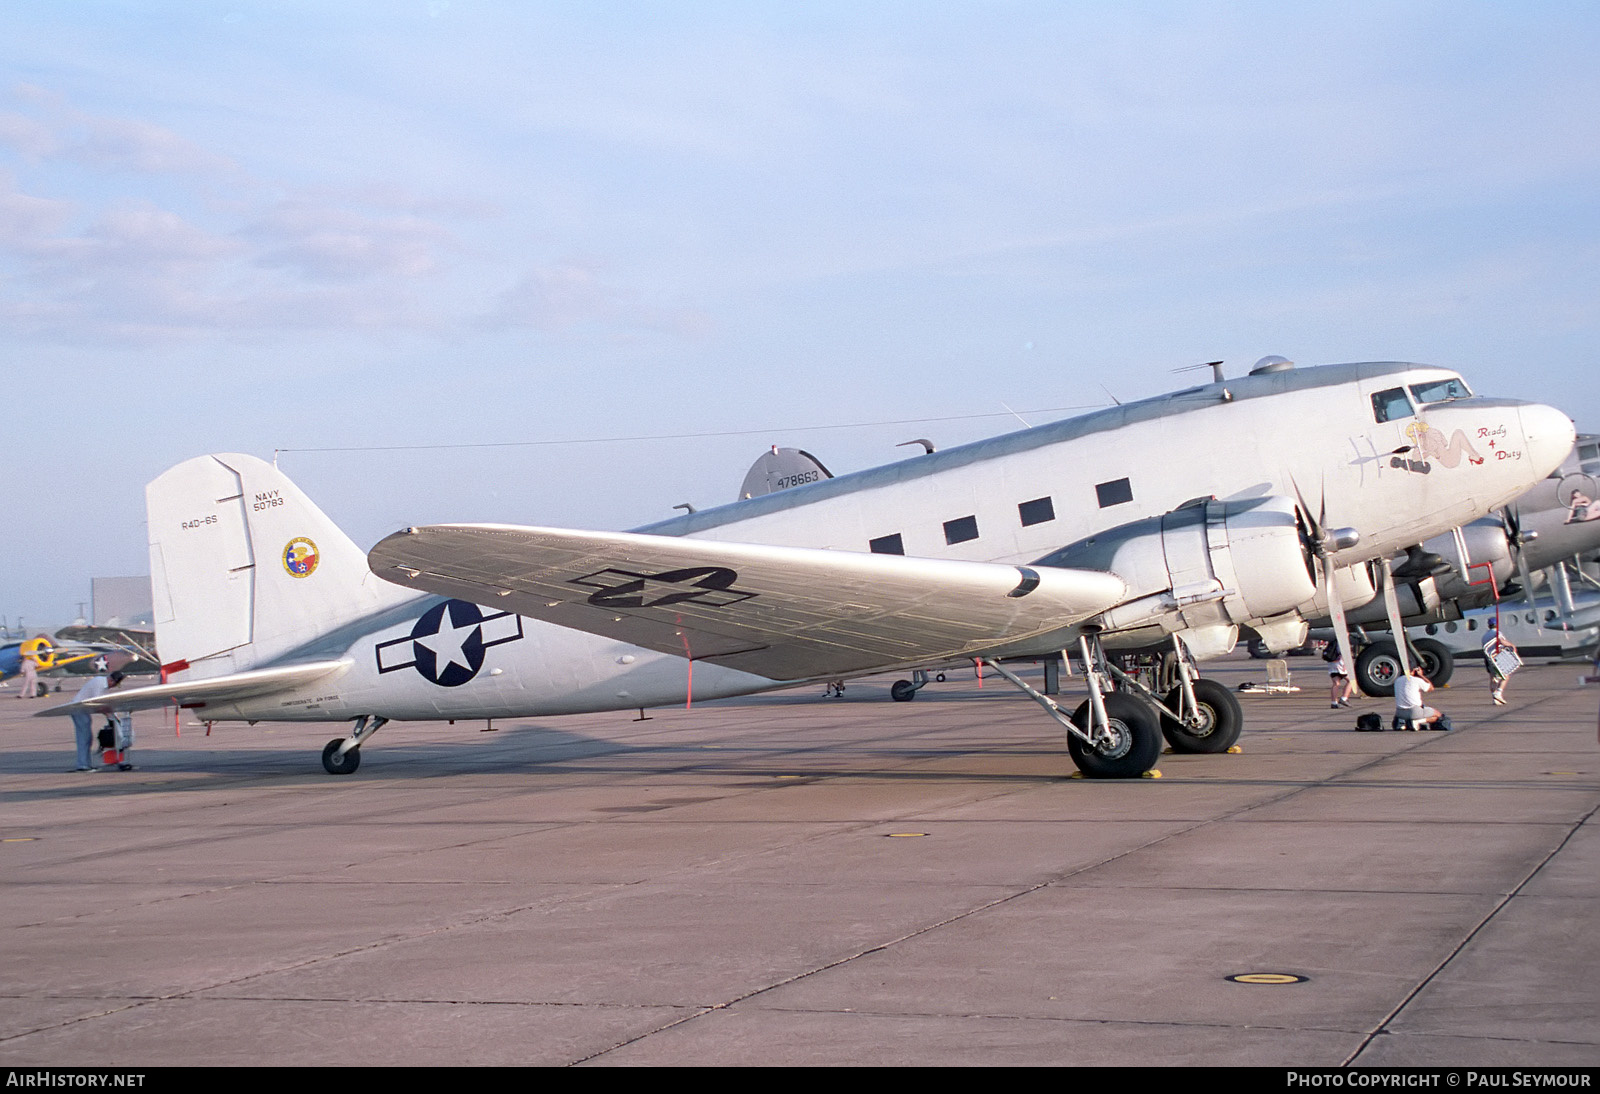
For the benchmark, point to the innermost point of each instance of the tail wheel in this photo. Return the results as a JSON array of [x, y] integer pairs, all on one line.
[[1221, 719], [335, 764], [1135, 742]]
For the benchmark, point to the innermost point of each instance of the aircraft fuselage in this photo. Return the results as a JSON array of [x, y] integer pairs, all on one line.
[[1352, 439]]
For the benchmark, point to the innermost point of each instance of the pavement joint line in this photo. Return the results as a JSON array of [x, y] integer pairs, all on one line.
[[886, 945], [410, 936], [1382, 1027], [1002, 785], [1239, 812]]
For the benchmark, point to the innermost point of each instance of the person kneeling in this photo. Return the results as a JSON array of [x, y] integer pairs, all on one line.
[[1408, 705]]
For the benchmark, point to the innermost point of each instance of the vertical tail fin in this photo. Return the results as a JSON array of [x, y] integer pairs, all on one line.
[[244, 568]]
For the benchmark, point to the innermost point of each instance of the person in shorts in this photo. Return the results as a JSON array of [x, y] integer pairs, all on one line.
[[1498, 678], [1408, 692], [1340, 687]]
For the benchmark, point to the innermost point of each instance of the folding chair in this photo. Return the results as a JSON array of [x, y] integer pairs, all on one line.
[[1278, 677]]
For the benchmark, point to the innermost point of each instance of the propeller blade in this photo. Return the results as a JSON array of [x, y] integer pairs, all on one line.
[[1527, 589], [1300, 500], [1314, 530], [1391, 606], [1341, 632], [1511, 520], [1322, 512]]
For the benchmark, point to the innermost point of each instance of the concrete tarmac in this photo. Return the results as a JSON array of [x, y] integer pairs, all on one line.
[[799, 880]]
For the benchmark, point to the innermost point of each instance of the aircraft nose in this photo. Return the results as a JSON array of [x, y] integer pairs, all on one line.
[[1548, 434]]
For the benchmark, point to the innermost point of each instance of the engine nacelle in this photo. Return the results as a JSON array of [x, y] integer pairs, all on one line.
[[1435, 597], [1486, 542], [1418, 602], [1208, 566]]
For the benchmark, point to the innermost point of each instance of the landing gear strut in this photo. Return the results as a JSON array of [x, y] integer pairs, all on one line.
[[1197, 715], [903, 691], [1212, 724], [341, 756], [1112, 735]]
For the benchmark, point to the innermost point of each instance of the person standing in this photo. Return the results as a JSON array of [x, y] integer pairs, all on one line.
[[83, 721], [30, 678], [1339, 685], [1500, 658], [122, 720]]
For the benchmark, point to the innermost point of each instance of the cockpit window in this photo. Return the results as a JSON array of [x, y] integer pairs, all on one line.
[[1440, 391], [1391, 404]]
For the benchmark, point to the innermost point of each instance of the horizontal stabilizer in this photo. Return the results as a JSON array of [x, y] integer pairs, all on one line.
[[198, 693], [786, 613]]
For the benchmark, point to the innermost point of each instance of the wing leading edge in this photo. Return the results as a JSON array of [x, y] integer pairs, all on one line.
[[786, 613]]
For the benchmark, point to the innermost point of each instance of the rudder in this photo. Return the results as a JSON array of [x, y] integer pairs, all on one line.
[[245, 568]]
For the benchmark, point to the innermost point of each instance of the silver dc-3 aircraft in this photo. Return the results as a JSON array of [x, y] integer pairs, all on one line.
[[1168, 523]]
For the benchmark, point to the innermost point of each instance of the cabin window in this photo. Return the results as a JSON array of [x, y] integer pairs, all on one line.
[[1391, 404], [887, 545], [961, 529], [1589, 452], [1114, 493], [1440, 391], [1037, 511]]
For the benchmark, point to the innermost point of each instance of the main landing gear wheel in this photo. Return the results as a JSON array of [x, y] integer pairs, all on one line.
[[1377, 668], [1221, 719], [902, 691], [1438, 663], [1135, 744], [335, 764]]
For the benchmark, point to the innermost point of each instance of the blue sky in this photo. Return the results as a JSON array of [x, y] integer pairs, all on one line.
[[308, 226]]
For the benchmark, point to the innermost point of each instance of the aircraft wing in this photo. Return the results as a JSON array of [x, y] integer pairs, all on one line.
[[198, 693], [786, 613], [139, 639]]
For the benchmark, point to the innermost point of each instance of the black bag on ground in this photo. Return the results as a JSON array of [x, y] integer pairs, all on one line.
[[1369, 723]]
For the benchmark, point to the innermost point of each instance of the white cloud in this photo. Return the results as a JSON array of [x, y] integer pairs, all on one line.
[[326, 242], [570, 295], [123, 144], [32, 138], [25, 219], [106, 144], [165, 238]]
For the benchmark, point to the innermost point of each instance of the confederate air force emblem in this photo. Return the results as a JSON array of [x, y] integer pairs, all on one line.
[[448, 641], [300, 557]]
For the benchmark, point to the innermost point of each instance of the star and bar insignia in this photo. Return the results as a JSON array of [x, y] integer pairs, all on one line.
[[710, 586], [448, 642]]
